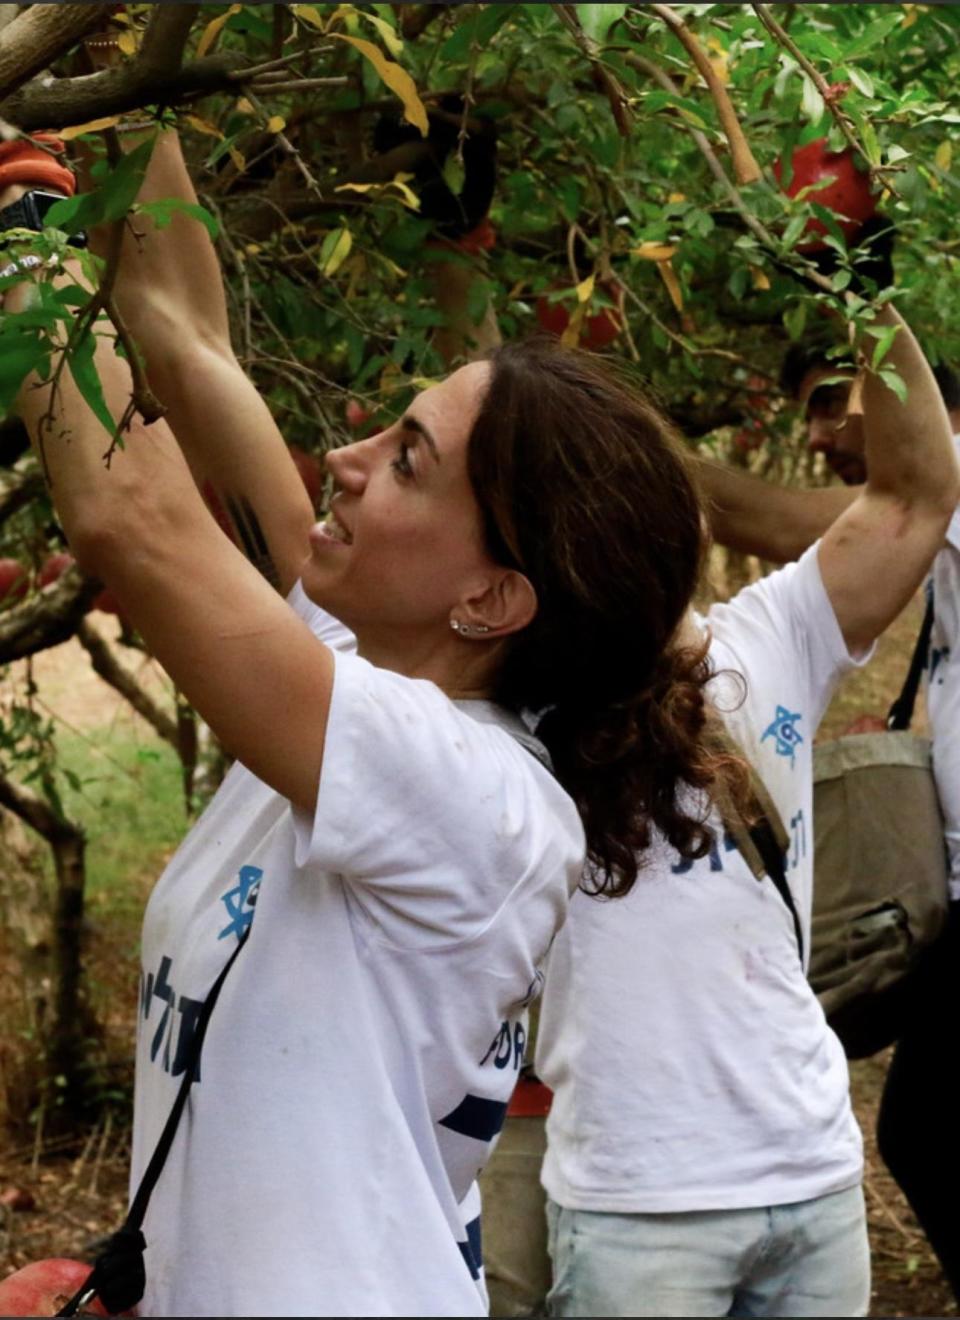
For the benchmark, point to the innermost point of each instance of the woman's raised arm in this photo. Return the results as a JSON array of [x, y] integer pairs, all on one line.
[[170, 291]]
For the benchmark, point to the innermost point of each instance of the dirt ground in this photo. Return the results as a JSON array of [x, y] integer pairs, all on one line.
[[59, 1200]]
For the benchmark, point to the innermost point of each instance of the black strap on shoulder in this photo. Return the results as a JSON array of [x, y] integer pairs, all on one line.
[[901, 712], [119, 1277], [775, 863]]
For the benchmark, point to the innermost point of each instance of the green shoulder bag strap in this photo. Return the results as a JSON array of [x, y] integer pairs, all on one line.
[[762, 841]]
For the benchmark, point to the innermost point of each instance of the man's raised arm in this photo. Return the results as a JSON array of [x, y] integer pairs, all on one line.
[[758, 517], [877, 552]]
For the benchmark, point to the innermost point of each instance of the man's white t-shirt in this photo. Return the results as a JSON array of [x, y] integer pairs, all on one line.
[[943, 690], [692, 1065], [364, 1047]]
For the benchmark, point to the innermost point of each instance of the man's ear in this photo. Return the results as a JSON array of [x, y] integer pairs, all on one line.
[[505, 605]]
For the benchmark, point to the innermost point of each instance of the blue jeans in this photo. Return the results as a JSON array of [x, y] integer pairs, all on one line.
[[807, 1259]]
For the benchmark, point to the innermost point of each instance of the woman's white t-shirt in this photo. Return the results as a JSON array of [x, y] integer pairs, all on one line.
[[366, 1041], [692, 1065]]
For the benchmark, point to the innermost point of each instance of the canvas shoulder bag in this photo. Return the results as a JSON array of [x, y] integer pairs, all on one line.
[[880, 869]]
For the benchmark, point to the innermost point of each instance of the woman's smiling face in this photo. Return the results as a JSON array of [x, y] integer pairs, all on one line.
[[404, 540]]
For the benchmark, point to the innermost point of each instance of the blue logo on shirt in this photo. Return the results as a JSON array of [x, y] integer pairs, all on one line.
[[783, 729], [240, 902]]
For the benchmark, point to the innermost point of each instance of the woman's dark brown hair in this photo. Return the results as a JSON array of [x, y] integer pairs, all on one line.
[[587, 490]]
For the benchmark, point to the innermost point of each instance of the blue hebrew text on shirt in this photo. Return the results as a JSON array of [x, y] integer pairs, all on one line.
[[686, 864], [159, 985], [241, 901], [785, 733]]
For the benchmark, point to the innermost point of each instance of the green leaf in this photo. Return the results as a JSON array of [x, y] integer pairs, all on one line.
[[895, 382], [860, 79], [83, 369], [597, 20], [111, 200], [871, 143], [795, 319], [795, 228], [477, 26], [20, 354], [162, 211], [884, 339], [811, 105], [454, 174]]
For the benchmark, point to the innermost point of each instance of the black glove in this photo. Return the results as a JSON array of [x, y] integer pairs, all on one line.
[[453, 214]]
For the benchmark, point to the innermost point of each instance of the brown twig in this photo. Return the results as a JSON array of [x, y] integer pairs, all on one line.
[[844, 123], [745, 167], [291, 151], [805, 269], [607, 83]]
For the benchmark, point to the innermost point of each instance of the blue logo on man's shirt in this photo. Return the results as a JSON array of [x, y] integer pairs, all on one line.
[[241, 901], [783, 729]]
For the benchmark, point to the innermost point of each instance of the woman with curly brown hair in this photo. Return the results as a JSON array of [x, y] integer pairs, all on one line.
[[703, 1158], [393, 848]]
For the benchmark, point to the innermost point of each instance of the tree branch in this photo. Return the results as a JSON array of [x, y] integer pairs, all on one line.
[[19, 491], [111, 671], [604, 78], [805, 269], [783, 39], [165, 39], [35, 38], [745, 167], [47, 619], [36, 812], [67, 101]]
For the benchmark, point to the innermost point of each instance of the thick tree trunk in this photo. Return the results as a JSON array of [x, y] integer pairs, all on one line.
[[70, 1021]]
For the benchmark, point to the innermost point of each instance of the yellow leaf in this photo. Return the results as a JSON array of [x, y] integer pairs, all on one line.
[[214, 28], [340, 252], [68, 134], [668, 275], [309, 15], [276, 124], [238, 159], [571, 336], [397, 79], [585, 288], [719, 59], [677, 197], [252, 249], [399, 181], [944, 154], [424, 382], [204, 126], [910, 16], [244, 106], [390, 39], [127, 42], [759, 278], [655, 251]]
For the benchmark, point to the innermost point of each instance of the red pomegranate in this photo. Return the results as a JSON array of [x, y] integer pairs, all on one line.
[[13, 581], [44, 1287], [597, 331], [845, 191], [53, 568]]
